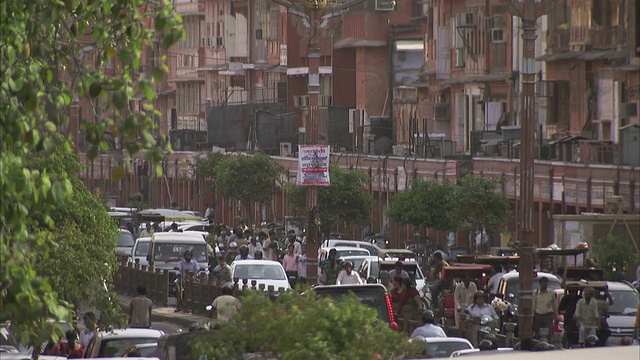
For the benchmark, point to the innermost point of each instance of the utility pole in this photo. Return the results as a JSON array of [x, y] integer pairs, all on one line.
[[313, 20], [528, 11]]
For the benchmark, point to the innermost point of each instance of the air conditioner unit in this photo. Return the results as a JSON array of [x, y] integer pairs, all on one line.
[[488, 23], [326, 101], [442, 111], [466, 20], [219, 41], [385, 5], [405, 94], [398, 150], [460, 58], [499, 22], [498, 36], [285, 149], [628, 110]]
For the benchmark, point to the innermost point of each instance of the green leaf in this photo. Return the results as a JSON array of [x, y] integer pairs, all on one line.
[[96, 90], [120, 99], [157, 75], [117, 173], [160, 22], [148, 91], [50, 127], [11, 54], [59, 191]]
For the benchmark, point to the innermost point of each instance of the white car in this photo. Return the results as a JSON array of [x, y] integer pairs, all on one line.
[[373, 248], [443, 347], [264, 272], [341, 251], [116, 342], [140, 251]]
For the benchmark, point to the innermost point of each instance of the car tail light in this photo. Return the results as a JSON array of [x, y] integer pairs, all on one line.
[[392, 319]]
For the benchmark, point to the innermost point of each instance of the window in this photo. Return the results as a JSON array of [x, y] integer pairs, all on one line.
[[142, 248], [259, 272], [125, 239], [116, 347], [175, 252]]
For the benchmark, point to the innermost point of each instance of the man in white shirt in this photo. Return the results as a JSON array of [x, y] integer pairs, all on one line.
[[494, 280], [226, 305], [255, 245], [480, 307], [348, 276], [463, 297], [428, 329], [544, 307], [302, 267], [398, 271]]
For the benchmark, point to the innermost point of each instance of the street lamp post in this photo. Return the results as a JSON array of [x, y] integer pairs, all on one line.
[[315, 17], [528, 11]]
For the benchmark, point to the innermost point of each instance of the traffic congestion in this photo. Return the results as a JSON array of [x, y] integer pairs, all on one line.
[[456, 304]]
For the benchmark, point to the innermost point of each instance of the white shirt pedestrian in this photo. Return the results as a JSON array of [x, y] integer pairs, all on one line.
[[302, 266], [428, 331], [226, 307], [349, 279]]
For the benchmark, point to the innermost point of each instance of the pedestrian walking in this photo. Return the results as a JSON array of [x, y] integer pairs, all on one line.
[[226, 305], [255, 244], [290, 264], [140, 308], [302, 267], [587, 315], [544, 307], [90, 328]]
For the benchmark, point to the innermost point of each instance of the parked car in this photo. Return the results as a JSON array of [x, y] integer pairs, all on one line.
[[444, 347], [373, 248], [509, 285], [140, 251], [116, 342], [358, 260], [373, 295], [167, 249], [264, 272], [125, 245]]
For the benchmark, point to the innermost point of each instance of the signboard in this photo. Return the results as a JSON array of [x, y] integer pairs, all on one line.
[[313, 165]]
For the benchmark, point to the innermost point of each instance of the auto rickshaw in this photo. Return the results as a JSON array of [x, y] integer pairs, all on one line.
[[570, 331]]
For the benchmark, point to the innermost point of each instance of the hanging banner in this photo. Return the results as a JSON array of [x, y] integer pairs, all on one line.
[[313, 165]]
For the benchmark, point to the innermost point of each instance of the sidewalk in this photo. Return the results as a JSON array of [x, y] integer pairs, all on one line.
[[169, 314]]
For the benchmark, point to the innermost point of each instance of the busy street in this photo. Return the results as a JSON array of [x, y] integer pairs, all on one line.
[[319, 179]]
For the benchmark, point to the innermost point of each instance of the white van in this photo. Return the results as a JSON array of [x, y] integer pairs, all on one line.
[[167, 249], [372, 248], [140, 251]]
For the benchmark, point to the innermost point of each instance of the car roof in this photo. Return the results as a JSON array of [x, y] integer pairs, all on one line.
[[256, 262], [347, 287], [393, 262], [366, 257], [131, 333], [432, 340], [343, 248], [515, 275], [144, 239], [176, 237], [619, 285], [360, 242]]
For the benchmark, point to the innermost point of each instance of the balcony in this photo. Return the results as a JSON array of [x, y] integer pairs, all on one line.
[[189, 8], [560, 39], [608, 37]]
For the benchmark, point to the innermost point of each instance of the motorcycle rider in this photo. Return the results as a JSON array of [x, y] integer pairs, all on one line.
[[436, 268], [477, 310], [428, 328], [186, 267], [231, 254], [587, 316], [244, 253]]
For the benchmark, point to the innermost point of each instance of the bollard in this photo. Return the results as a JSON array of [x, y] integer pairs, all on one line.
[[236, 286], [254, 283], [245, 285], [261, 287], [510, 329], [270, 290]]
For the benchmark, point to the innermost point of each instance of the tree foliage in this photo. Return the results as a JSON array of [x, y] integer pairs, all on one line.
[[480, 205], [427, 204], [303, 326], [472, 204], [98, 46], [205, 169], [245, 178], [79, 263], [614, 256], [346, 199]]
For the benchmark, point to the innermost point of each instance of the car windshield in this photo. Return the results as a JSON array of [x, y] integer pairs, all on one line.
[[125, 239], [142, 248], [259, 272], [352, 252], [444, 349], [372, 249], [625, 302], [357, 262], [411, 269], [175, 252], [513, 285], [116, 347]]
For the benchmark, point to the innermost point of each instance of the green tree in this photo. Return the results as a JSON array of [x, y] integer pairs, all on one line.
[[346, 199], [427, 204], [614, 256], [38, 39], [296, 326], [79, 273], [480, 204], [248, 179], [205, 169]]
